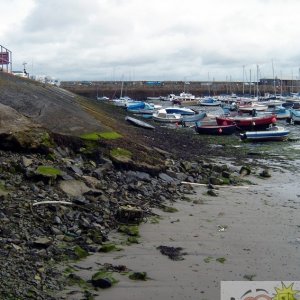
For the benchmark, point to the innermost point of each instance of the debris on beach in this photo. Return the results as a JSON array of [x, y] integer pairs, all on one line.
[[174, 253]]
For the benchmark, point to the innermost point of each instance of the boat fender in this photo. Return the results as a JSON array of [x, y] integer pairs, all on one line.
[[220, 130], [253, 123], [273, 120]]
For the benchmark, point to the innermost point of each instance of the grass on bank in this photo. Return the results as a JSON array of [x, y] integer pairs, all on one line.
[[95, 136]]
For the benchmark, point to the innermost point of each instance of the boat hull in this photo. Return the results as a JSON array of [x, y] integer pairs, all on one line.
[[264, 136], [248, 123], [139, 123], [215, 129]]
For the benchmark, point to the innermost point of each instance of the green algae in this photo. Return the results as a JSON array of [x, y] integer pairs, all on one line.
[[131, 230], [80, 253], [138, 276], [48, 171], [95, 136], [117, 152], [109, 248]]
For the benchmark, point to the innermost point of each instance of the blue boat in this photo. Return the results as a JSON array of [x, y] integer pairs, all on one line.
[[274, 133], [209, 102], [295, 116]]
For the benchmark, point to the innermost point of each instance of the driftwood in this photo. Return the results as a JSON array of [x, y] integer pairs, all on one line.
[[218, 186], [53, 202]]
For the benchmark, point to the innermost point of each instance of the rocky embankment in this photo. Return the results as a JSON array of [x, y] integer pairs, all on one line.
[[62, 194], [62, 206]]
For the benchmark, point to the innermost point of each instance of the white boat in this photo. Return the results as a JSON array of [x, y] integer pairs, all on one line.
[[162, 116], [251, 107], [209, 101], [103, 98], [124, 101], [179, 110]]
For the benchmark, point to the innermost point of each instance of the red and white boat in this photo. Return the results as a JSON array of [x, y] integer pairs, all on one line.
[[247, 123]]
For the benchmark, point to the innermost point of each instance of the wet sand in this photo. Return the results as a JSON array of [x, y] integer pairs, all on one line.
[[261, 240]]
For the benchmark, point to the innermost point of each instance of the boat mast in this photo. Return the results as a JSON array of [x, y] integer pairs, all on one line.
[[274, 85], [250, 84], [243, 80], [281, 83], [257, 69]]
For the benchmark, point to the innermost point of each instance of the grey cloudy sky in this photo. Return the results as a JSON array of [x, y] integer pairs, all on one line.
[[153, 39]]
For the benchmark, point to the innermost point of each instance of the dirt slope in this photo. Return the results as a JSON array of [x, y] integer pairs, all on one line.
[[49, 106]]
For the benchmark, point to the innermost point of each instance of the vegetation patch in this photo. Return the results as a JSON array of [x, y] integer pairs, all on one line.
[[117, 152], [80, 253], [48, 171], [169, 209], [138, 276], [131, 230], [208, 259], [95, 136], [109, 248], [132, 240], [103, 279], [221, 260]]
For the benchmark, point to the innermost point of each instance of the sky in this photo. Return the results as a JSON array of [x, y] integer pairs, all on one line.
[[184, 40]]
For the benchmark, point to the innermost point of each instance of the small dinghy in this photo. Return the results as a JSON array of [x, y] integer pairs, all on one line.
[[139, 123]]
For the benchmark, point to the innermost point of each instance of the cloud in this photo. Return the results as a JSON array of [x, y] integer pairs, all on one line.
[[164, 40]]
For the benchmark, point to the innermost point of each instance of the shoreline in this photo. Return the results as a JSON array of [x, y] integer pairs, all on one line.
[[259, 242]]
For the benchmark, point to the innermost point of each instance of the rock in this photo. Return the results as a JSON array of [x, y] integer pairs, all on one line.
[[211, 192], [102, 283], [74, 187], [265, 173], [166, 177], [76, 170], [226, 174], [27, 161], [42, 242], [215, 181], [140, 175], [245, 170]]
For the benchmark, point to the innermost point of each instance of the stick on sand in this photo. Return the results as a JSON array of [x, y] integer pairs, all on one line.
[[219, 186]]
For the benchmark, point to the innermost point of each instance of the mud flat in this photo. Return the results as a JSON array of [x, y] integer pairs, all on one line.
[[242, 234]]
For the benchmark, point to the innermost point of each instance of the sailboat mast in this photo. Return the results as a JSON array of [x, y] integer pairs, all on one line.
[[257, 69], [250, 84], [274, 85], [243, 80]]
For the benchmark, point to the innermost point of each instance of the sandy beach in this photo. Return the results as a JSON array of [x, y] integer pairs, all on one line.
[[243, 233]]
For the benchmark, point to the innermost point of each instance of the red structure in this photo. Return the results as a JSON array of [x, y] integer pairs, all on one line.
[[5, 59]]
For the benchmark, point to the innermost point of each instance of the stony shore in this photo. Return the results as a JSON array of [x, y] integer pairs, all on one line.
[[73, 173]]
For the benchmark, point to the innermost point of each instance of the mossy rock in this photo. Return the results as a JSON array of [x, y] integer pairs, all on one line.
[[245, 170], [132, 240], [80, 253], [109, 248], [103, 279], [47, 171], [138, 276], [131, 230]]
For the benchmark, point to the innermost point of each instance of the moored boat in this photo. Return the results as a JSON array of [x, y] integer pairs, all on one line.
[[162, 116], [208, 101], [244, 123], [215, 129], [179, 110], [295, 116], [139, 123], [274, 133]]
